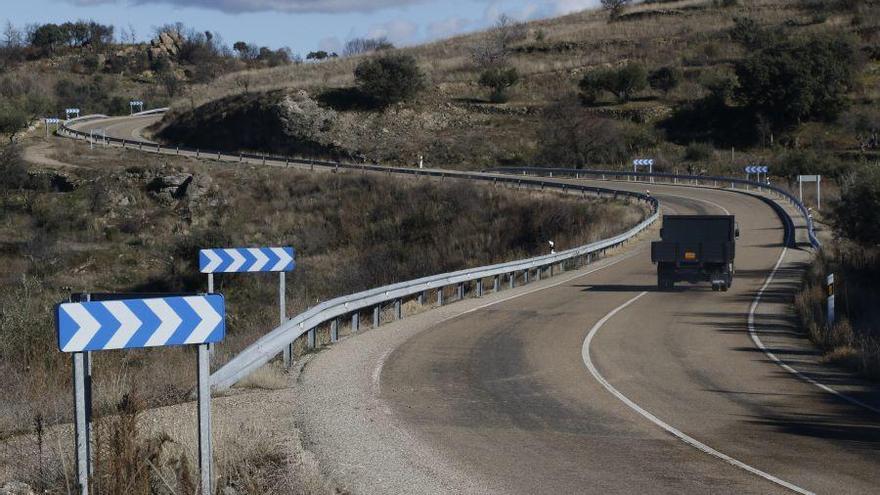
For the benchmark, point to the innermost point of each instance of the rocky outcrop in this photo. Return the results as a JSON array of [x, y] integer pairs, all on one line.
[[289, 122], [165, 46]]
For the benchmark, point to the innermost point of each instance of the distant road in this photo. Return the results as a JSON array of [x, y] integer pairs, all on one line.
[[594, 382]]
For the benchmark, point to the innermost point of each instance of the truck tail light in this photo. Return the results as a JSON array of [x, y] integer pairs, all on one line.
[[690, 255]]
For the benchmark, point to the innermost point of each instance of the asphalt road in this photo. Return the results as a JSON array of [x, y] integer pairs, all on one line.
[[600, 384]]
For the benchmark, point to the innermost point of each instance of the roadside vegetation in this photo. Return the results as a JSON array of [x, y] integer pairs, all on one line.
[[854, 259], [101, 228]]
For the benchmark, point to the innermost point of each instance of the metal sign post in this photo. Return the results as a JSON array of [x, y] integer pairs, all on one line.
[[129, 323], [757, 170], [135, 103], [811, 178], [644, 162], [251, 260], [829, 281], [50, 121]]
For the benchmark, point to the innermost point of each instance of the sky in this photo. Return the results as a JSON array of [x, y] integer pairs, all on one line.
[[302, 25]]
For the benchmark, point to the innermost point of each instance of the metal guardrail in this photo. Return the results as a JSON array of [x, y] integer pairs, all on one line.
[[673, 178], [273, 343]]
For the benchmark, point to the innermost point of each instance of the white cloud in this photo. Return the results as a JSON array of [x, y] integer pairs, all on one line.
[[561, 7], [398, 31], [330, 44], [292, 6], [448, 27]]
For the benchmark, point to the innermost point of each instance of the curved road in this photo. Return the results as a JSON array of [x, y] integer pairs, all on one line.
[[596, 383]]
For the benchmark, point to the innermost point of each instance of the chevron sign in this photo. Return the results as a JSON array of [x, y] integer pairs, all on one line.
[[52, 120], [643, 162], [138, 323], [237, 260], [757, 169]]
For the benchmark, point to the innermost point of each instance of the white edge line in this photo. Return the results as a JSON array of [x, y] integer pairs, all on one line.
[[585, 353], [758, 342]]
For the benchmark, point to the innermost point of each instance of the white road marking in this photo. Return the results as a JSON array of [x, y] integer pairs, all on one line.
[[585, 353], [757, 340]]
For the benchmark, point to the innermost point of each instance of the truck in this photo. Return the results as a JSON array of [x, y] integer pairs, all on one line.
[[696, 248]]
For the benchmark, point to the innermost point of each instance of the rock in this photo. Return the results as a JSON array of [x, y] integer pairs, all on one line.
[[178, 186], [16, 488], [165, 46]]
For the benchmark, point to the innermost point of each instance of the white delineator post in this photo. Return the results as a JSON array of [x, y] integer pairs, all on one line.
[[830, 284]]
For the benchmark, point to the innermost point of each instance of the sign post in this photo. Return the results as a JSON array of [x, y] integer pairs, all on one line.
[[757, 170], [644, 162], [71, 111], [50, 121], [118, 322], [135, 103], [251, 260], [811, 178]]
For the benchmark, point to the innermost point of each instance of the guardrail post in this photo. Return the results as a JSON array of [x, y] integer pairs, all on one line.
[[460, 290], [177, 150], [479, 287], [538, 273], [240, 158], [376, 316], [334, 330], [421, 297], [440, 296], [496, 284], [123, 143], [398, 309], [550, 269], [264, 158], [526, 276], [158, 148], [218, 156], [140, 146], [355, 322], [513, 280], [310, 338]]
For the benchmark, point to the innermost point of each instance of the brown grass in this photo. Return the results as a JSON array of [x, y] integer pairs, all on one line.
[[854, 339]]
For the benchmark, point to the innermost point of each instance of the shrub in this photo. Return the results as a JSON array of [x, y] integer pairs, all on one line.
[[13, 172], [747, 32], [358, 46], [389, 79], [499, 80], [614, 7], [857, 213], [571, 136], [665, 79], [792, 81], [698, 152], [623, 83]]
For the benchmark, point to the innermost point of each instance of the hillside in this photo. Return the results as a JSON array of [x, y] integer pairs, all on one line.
[[547, 121]]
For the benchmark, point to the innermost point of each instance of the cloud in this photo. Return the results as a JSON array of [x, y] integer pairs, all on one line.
[[398, 31], [330, 44], [562, 7], [290, 6], [448, 27]]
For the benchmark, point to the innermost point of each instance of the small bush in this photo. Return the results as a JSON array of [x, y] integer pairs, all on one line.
[[623, 83], [698, 152], [499, 80], [13, 171], [614, 7], [390, 79], [665, 79], [857, 213]]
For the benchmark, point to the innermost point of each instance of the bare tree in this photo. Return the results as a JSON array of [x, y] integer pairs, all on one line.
[[243, 82], [492, 50], [614, 7]]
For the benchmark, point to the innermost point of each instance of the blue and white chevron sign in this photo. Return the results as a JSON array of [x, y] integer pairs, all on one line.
[[237, 260], [757, 169], [643, 162], [137, 323], [52, 120]]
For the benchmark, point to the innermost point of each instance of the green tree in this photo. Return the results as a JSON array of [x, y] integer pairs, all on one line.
[[499, 80], [623, 83], [857, 213], [48, 37], [665, 79], [390, 78], [793, 81]]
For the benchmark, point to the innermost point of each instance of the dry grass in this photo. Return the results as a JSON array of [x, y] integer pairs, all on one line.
[[854, 339]]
